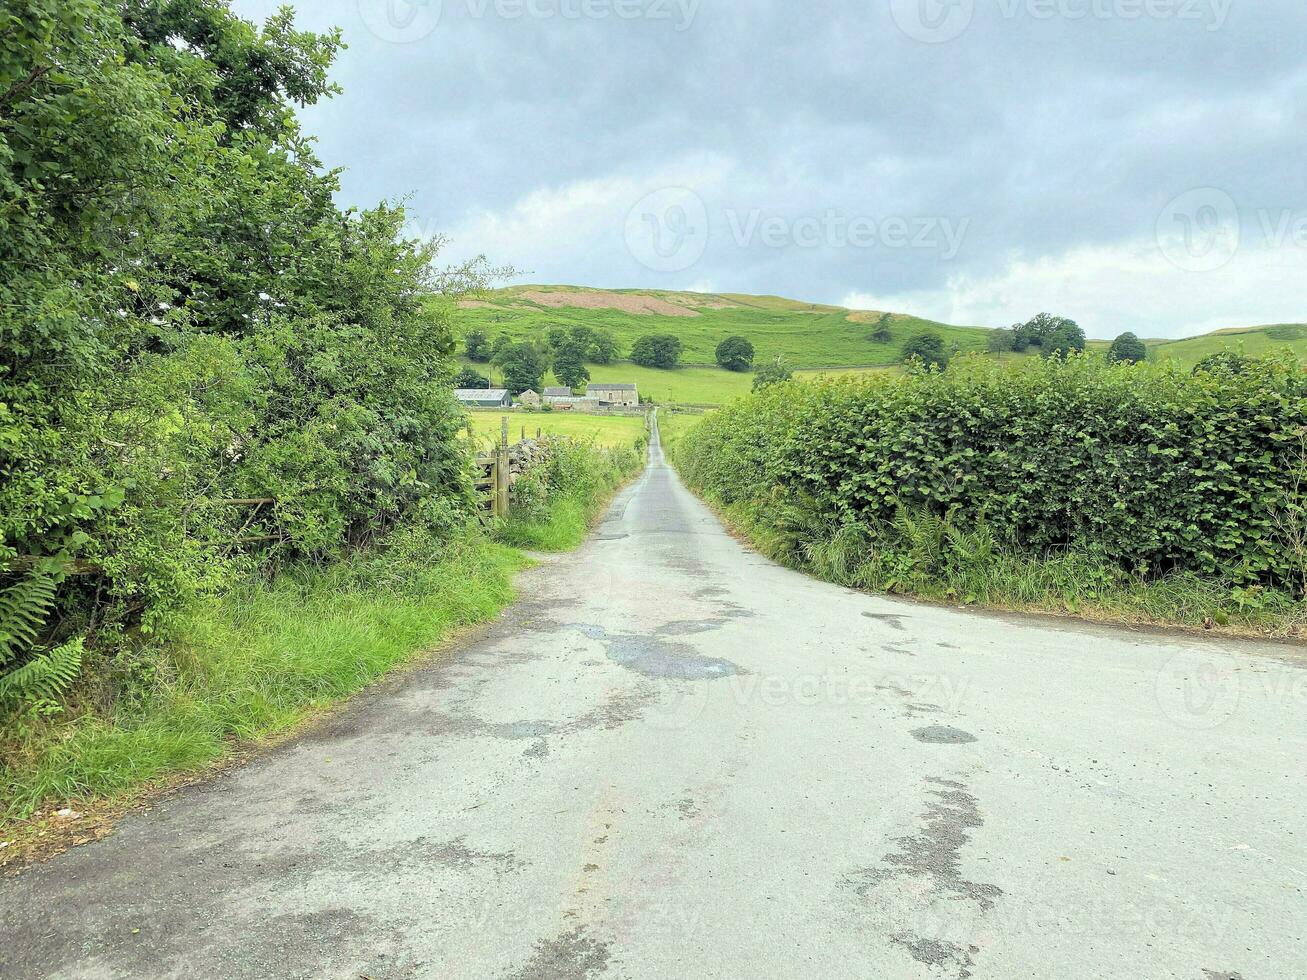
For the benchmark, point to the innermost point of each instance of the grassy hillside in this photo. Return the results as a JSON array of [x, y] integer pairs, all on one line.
[[814, 339], [806, 334], [1252, 341]]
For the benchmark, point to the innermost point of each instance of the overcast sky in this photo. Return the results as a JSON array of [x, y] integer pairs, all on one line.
[[1134, 164]]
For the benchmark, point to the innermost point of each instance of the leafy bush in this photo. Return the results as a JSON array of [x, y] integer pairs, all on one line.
[[735, 354], [1149, 468], [190, 322], [657, 351], [773, 373], [928, 348], [1127, 347]]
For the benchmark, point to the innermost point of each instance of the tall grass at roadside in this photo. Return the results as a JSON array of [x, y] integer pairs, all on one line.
[[261, 658]]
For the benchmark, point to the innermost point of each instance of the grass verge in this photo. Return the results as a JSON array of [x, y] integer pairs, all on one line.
[[959, 569], [257, 662]]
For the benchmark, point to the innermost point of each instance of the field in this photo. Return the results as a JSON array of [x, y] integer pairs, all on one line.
[[807, 335], [815, 340], [611, 431], [1253, 341]]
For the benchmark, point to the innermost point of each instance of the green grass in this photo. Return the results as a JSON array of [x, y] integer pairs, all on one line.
[[259, 660], [1253, 341], [806, 334], [611, 431]]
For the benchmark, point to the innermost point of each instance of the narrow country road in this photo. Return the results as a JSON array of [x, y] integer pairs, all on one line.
[[676, 759]]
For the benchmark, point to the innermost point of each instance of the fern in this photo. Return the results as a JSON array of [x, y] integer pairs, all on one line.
[[23, 609], [43, 678]]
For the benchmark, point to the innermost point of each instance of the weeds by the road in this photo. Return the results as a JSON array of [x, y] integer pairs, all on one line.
[[274, 650]]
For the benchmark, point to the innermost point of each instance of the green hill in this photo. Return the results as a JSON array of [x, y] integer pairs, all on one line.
[[1253, 341], [808, 335], [814, 339]]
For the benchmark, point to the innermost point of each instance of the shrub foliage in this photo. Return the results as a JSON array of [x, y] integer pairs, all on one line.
[[1151, 468]]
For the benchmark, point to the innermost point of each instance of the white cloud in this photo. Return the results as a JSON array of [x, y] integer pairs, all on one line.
[[1110, 289]]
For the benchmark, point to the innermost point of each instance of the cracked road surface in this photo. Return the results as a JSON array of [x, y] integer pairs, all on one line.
[[675, 759]]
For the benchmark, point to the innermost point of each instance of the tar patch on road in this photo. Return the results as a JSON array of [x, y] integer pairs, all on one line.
[[653, 656], [943, 735], [572, 956], [938, 953], [893, 621], [933, 856]]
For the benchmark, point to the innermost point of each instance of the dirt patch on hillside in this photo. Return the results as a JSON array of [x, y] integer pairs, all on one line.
[[476, 304], [636, 303], [865, 316]]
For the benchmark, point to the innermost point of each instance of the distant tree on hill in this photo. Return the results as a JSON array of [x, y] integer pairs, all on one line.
[[882, 334], [556, 337], [467, 378], [502, 345], [604, 350], [586, 338], [1001, 341], [1043, 328], [1067, 339], [524, 367], [928, 348], [657, 351], [476, 346], [1127, 348], [774, 373], [569, 364], [735, 354]]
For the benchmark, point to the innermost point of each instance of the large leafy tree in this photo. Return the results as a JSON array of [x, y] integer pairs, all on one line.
[[1127, 348], [735, 354], [927, 349], [657, 351], [524, 366], [569, 364], [186, 314]]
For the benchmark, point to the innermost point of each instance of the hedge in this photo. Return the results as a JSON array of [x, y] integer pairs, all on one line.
[[1157, 469]]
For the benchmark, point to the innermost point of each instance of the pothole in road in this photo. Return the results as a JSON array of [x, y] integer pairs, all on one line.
[[943, 735]]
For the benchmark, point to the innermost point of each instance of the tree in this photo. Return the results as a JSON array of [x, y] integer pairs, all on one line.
[[1001, 341], [1127, 348], [500, 348], [735, 354], [585, 337], [882, 334], [774, 373], [605, 349], [657, 351], [1065, 340], [467, 378], [569, 364], [476, 347], [556, 337], [928, 348], [1043, 328], [524, 366]]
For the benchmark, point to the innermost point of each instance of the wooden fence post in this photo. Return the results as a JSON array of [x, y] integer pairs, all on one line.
[[501, 471]]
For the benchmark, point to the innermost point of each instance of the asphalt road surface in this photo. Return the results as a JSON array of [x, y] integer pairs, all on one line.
[[676, 759]]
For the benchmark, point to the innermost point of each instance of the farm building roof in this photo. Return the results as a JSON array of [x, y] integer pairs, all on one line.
[[480, 394], [555, 392], [602, 386]]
